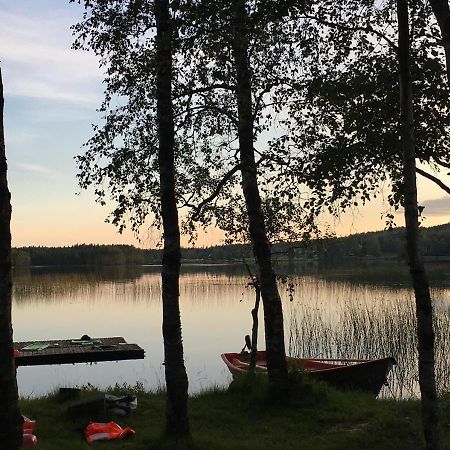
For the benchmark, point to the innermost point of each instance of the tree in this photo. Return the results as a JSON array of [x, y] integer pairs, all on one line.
[[216, 50], [11, 430], [240, 53], [441, 11], [176, 379], [353, 140], [111, 30], [340, 120], [273, 313], [424, 306]]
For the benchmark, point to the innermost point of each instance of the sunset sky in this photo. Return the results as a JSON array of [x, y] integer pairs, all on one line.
[[51, 94]]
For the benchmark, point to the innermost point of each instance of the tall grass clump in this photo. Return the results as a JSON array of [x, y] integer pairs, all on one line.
[[385, 327]]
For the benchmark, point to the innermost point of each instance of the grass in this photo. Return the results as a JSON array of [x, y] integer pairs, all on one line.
[[380, 328], [314, 417]]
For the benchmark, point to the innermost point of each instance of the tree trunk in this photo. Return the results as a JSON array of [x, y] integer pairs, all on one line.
[[177, 423], [441, 11], [10, 418], [273, 313], [424, 308], [254, 348]]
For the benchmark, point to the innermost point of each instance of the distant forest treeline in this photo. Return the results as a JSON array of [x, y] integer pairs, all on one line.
[[380, 244]]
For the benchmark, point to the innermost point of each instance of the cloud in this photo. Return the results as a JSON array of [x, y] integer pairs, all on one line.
[[37, 168], [14, 139], [437, 207], [51, 91], [37, 60]]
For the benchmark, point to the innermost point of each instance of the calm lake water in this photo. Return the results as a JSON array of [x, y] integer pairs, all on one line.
[[361, 311]]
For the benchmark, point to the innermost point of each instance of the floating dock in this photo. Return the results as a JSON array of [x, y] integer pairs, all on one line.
[[71, 351]]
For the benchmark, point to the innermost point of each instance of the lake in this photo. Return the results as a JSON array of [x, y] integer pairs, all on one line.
[[352, 311]]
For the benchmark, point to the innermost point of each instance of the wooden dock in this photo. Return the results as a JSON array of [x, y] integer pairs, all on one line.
[[76, 351]]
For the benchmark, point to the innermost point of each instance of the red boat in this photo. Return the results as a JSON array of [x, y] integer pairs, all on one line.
[[348, 374]]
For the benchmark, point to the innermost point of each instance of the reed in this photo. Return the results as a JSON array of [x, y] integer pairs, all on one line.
[[384, 327]]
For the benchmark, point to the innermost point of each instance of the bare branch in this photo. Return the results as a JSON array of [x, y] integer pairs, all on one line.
[[434, 179]]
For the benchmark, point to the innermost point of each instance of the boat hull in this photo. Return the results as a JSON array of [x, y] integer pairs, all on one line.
[[355, 375]]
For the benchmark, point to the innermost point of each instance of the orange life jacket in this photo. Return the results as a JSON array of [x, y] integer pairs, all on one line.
[[29, 439], [28, 425], [106, 432]]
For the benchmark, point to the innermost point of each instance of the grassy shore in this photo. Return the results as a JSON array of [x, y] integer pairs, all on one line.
[[315, 417]]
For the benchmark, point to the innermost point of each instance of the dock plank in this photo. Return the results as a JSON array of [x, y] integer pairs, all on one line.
[[68, 352]]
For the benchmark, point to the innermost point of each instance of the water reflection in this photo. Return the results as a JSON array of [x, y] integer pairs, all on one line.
[[351, 312]]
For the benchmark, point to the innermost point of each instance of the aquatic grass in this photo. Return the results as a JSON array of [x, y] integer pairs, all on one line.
[[372, 330]]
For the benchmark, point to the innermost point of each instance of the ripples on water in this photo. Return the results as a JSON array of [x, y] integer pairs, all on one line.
[[339, 312]]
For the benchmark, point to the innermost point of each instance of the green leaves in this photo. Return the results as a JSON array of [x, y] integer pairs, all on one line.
[[325, 96], [344, 123]]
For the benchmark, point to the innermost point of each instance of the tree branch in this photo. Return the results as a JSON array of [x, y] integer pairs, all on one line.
[[367, 29], [442, 163], [258, 101], [191, 92], [434, 179], [218, 109], [215, 193]]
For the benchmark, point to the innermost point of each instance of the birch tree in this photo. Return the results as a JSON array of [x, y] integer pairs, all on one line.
[[424, 305], [346, 119], [130, 36]]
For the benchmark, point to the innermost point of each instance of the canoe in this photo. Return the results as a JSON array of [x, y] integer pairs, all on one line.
[[344, 374]]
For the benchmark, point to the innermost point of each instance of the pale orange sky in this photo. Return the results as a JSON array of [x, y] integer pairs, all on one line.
[[77, 219]]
